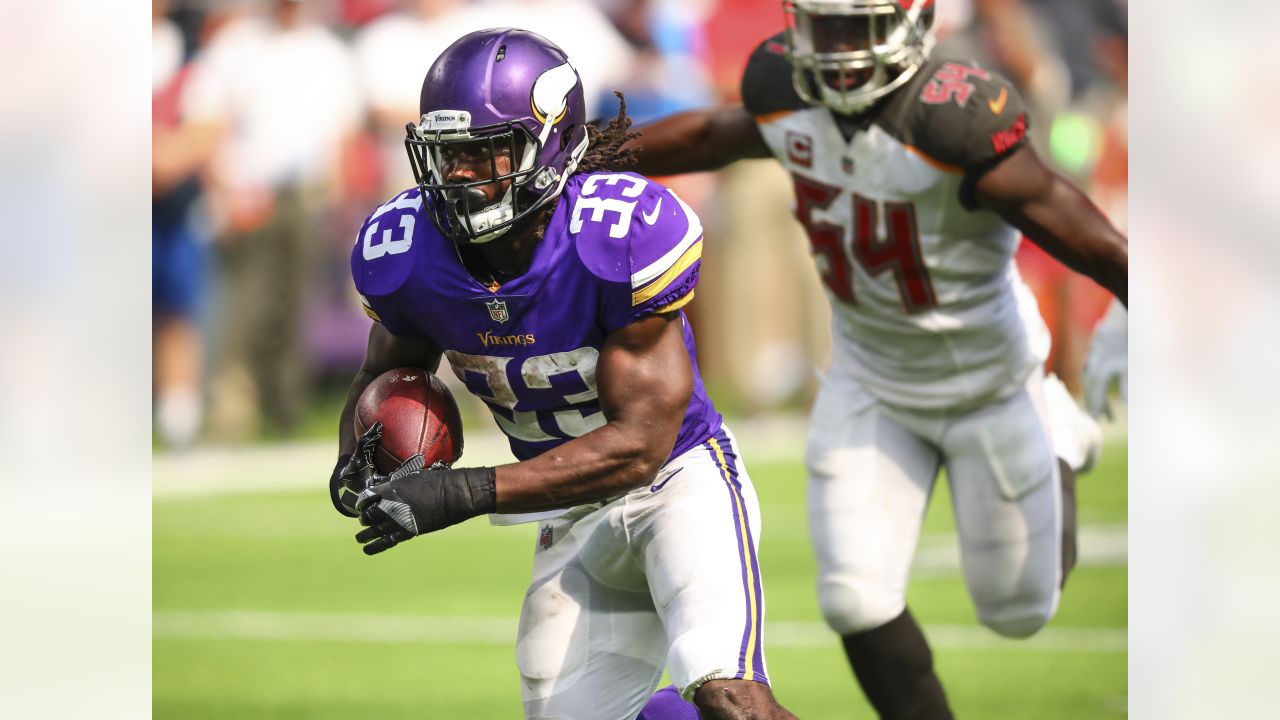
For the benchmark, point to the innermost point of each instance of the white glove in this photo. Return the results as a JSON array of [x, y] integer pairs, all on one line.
[[1108, 361]]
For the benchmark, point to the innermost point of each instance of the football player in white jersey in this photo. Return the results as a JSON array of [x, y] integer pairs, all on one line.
[[913, 178]]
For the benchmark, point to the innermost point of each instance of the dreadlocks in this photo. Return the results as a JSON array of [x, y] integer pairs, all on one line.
[[604, 151]]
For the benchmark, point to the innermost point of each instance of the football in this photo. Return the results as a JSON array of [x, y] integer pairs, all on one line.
[[419, 417]]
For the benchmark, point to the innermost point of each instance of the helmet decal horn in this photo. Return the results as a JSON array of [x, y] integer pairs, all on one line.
[[549, 98]]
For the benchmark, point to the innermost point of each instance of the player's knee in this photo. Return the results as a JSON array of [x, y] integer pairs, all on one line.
[[851, 607], [1017, 617], [553, 637]]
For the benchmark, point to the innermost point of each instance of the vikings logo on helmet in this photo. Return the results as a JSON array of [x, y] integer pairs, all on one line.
[[550, 95], [845, 54]]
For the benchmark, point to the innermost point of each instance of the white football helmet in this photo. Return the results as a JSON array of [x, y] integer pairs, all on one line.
[[847, 53]]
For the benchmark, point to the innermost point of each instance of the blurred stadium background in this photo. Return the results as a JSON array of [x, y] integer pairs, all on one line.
[[277, 125]]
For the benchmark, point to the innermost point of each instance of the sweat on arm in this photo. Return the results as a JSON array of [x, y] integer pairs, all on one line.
[[644, 379]]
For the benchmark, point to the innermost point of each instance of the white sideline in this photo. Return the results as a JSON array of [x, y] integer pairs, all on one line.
[[426, 629]]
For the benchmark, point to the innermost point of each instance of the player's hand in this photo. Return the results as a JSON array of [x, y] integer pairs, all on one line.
[[1107, 362], [355, 472], [412, 504]]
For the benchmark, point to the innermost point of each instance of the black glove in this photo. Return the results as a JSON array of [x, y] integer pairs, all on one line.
[[420, 502], [355, 472]]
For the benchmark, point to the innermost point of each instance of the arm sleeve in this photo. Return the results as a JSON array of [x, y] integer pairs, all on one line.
[[967, 118], [766, 83]]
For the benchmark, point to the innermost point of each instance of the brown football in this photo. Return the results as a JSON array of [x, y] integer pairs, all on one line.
[[419, 417]]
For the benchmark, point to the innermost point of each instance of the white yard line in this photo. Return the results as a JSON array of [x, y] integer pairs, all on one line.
[[364, 628]]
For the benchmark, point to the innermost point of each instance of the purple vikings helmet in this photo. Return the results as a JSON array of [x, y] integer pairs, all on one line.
[[500, 92]]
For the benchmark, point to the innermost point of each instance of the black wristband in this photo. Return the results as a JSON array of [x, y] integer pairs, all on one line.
[[440, 498], [467, 492]]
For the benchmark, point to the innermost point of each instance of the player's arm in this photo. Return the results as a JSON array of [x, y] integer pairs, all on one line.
[[644, 379], [712, 138], [697, 140], [1058, 217], [179, 153], [354, 468]]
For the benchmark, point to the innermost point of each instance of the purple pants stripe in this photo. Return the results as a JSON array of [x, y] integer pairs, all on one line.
[[751, 653]]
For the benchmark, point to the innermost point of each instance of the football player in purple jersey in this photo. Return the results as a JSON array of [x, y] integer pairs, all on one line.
[[911, 173], [553, 282]]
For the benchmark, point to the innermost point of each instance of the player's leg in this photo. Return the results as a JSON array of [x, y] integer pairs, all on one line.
[[591, 645], [280, 276], [869, 485], [1007, 499], [1077, 441], [177, 277], [1067, 481], [697, 528]]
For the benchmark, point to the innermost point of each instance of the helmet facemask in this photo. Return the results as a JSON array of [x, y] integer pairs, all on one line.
[[508, 186], [846, 55]]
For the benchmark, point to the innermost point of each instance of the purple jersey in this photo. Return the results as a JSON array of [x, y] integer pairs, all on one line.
[[618, 247]]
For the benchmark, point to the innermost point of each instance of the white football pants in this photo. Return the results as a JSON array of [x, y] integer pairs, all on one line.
[[871, 470], [666, 575]]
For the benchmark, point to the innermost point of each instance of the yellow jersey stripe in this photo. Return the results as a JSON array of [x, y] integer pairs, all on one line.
[[692, 234], [689, 257], [745, 538], [368, 310]]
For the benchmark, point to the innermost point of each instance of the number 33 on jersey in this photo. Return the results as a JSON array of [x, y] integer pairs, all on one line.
[[617, 247]]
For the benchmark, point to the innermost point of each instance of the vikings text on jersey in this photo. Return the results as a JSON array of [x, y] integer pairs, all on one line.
[[617, 247]]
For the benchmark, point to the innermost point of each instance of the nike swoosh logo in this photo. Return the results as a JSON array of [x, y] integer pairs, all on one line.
[[997, 105], [659, 486], [652, 216]]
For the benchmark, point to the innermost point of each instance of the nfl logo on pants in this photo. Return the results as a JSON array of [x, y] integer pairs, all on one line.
[[546, 537], [497, 310]]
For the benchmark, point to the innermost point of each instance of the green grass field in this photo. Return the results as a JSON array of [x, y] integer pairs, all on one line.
[[265, 608]]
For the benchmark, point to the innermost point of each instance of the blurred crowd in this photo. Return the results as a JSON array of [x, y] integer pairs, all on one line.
[[279, 124]]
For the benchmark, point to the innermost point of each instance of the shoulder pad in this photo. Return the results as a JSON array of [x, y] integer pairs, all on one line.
[[381, 260], [959, 114], [766, 83], [638, 234]]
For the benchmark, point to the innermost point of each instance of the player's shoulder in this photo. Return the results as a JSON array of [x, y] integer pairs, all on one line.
[[630, 230], [957, 112], [766, 81], [389, 244]]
